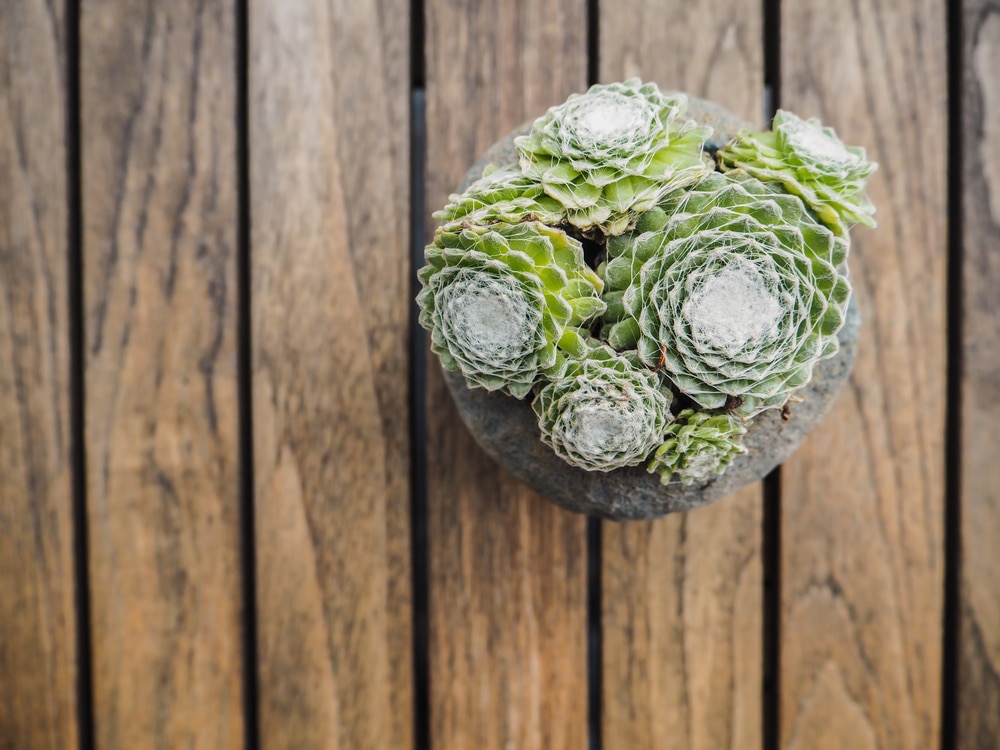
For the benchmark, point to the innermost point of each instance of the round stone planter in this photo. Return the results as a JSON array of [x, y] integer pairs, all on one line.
[[507, 429]]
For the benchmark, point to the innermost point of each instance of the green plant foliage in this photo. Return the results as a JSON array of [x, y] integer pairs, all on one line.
[[606, 411], [732, 288], [503, 195], [721, 289], [697, 446], [810, 161], [503, 303], [612, 153]]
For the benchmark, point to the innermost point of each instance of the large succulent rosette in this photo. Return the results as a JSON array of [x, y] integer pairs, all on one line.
[[504, 303], [810, 161], [734, 290], [698, 445], [613, 152], [605, 412]]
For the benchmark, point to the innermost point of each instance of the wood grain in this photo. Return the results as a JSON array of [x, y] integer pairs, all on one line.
[[38, 701], [507, 569], [978, 698], [862, 555], [329, 177], [682, 596], [159, 261]]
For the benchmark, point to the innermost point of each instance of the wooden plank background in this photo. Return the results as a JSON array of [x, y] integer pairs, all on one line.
[[977, 700], [237, 512], [328, 189], [683, 663], [507, 576], [38, 638], [862, 558]]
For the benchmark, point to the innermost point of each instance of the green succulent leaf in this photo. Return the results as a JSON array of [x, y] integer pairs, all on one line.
[[610, 154], [502, 196], [733, 290], [697, 445], [503, 302], [810, 161], [606, 411]]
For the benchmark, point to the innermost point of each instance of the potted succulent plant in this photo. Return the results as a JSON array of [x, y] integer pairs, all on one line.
[[641, 302]]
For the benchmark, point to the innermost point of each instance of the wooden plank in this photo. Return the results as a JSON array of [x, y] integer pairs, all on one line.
[[507, 569], [329, 97], [38, 701], [159, 256], [682, 596], [862, 500], [978, 699]]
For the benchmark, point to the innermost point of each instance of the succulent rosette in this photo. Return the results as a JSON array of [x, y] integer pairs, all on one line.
[[502, 195], [697, 446], [605, 412], [613, 152], [733, 288], [810, 161], [504, 302]]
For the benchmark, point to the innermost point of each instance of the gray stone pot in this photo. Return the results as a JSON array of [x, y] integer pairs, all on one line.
[[507, 429]]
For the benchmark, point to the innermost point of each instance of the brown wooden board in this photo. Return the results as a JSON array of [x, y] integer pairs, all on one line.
[[863, 499], [329, 175], [682, 597], [38, 670], [507, 569], [978, 698], [158, 84]]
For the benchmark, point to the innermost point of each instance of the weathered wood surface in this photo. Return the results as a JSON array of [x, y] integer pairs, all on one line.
[[158, 88], [507, 569], [978, 692], [38, 700], [682, 596], [330, 303], [863, 548], [863, 499]]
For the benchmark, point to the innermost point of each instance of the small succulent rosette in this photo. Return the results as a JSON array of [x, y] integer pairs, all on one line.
[[698, 445], [809, 161], [604, 412], [610, 154], [504, 302], [651, 300]]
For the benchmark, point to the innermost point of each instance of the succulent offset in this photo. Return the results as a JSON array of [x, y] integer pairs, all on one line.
[[612, 153], [733, 290], [698, 445], [703, 297], [503, 303], [810, 161], [605, 412], [502, 196]]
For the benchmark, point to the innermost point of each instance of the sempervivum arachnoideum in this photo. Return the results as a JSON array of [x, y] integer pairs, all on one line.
[[613, 152], [810, 161], [605, 412], [502, 195], [733, 289], [698, 446], [503, 302]]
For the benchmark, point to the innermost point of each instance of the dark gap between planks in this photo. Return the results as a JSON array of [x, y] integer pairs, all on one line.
[[595, 643], [953, 412], [771, 532], [244, 343], [418, 429], [77, 458]]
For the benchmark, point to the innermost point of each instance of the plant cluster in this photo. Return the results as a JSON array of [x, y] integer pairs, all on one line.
[[651, 299]]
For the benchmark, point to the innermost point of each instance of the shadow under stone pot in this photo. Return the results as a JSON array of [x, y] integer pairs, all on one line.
[[507, 429]]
